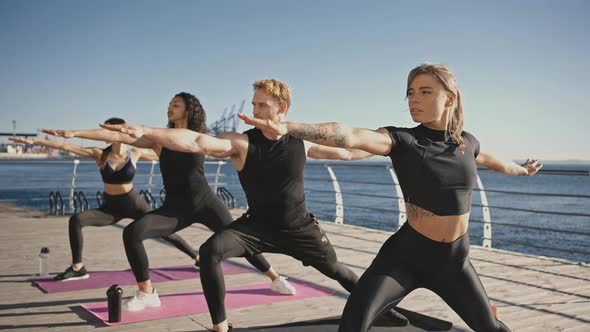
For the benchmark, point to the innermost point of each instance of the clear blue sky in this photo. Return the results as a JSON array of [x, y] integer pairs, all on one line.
[[522, 65]]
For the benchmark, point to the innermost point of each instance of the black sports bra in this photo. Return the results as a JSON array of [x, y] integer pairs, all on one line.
[[122, 175]]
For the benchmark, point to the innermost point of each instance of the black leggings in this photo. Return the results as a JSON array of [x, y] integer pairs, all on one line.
[[174, 215], [309, 245], [114, 208], [409, 260]]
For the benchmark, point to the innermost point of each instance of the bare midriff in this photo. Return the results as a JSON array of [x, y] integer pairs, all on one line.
[[117, 189], [435, 227]]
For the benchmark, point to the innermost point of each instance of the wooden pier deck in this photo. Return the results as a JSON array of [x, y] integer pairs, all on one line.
[[532, 293]]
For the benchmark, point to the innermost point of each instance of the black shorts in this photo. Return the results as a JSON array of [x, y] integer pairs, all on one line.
[[308, 243]]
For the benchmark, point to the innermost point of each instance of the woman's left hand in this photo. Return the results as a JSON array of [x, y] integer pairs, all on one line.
[[532, 166]]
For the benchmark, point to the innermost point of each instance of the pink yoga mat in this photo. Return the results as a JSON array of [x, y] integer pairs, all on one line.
[[194, 303], [104, 279]]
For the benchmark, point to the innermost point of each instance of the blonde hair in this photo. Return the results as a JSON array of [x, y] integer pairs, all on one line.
[[444, 75], [278, 90]]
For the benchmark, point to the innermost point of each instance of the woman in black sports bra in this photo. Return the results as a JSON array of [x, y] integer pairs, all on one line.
[[436, 166], [117, 168]]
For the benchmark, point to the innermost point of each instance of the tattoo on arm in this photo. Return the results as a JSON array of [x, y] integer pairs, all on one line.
[[322, 133]]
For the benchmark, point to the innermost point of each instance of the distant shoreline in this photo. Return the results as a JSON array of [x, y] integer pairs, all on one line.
[[372, 161], [23, 156]]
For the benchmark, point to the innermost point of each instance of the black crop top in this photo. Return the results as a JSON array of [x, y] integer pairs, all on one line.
[[122, 175], [433, 172]]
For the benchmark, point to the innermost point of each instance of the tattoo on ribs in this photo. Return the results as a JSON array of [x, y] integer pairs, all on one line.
[[417, 213]]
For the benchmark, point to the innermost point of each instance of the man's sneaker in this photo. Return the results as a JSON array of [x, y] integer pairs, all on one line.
[[197, 265], [142, 301], [230, 328], [70, 274], [282, 286]]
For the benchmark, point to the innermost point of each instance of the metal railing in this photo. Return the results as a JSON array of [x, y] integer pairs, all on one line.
[[80, 202], [330, 191], [486, 221], [227, 197], [394, 205], [147, 194], [56, 204], [72, 197]]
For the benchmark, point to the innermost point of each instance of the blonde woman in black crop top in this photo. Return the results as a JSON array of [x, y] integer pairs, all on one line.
[[436, 166]]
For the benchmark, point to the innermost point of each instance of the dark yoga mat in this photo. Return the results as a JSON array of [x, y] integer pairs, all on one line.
[[417, 323]]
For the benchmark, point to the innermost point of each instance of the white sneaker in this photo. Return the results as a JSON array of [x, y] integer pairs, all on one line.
[[282, 286], [141, 301]]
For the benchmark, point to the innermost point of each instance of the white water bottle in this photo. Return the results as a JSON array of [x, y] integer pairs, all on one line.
[[43, 264]]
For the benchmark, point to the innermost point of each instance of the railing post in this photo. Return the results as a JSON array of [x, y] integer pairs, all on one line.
[[76, 202], [51, 198], [402, 216], [487, 219], [99, 198], [82, 196], [154, 162], [61, 204], [217, 175], [339, 203], [73, 187]]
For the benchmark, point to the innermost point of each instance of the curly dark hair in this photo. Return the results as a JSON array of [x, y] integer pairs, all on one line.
[[197, 119]]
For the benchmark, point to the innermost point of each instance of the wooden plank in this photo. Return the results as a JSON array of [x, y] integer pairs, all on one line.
[[532, 293]]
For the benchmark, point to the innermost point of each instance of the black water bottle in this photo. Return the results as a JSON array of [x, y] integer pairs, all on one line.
[[114, 297]]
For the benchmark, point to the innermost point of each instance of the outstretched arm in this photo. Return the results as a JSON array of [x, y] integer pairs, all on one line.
[[182, 140], [333, 134], [508, 167], [148, 155], [102, 135], [317, 151], [94, 153]]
